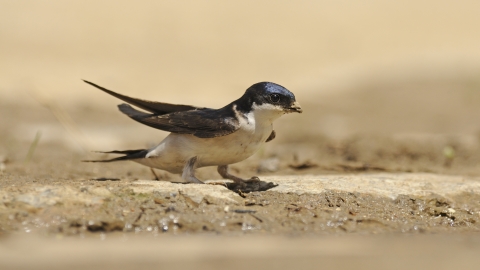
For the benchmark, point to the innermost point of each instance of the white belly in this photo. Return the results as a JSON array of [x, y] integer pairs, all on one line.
[[173, 152]]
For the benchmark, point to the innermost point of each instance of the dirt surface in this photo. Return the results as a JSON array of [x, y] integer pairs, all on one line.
[[80, 208]]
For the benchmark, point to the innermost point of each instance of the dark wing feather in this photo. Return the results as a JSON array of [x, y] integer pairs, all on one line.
[[204, 123], [151, 106]]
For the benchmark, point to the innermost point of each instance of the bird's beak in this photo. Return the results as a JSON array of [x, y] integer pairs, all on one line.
[[295, 107]]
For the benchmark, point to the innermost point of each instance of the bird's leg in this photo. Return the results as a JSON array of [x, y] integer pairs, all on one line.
[[223, 171], [188, 173], [154, 174]]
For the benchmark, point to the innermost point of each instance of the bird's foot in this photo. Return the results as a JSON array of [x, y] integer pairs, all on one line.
[[188, 173], [250, 186], [241, 186]]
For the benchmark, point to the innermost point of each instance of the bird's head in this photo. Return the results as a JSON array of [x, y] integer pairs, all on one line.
[[271, 96]]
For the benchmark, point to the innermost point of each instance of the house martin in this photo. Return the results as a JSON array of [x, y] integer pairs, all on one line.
[[201, 137]]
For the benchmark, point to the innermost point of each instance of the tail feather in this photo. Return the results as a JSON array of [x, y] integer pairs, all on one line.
[[129, 155], [151, 106], [125, 152], [131, 112]]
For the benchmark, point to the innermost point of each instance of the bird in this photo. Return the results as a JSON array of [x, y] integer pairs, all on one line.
[[201, 137]]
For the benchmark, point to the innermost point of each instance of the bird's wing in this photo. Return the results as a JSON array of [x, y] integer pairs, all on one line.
[[203, 123], [158, 108]]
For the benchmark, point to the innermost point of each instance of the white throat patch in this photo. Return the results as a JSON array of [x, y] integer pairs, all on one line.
[[267, 112]]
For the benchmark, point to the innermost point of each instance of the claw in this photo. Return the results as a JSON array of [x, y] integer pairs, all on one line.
[[252, 179]]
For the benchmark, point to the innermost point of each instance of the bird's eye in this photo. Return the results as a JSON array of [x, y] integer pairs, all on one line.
[[275, 98]]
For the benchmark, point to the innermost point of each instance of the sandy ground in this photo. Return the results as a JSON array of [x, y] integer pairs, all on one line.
[[381, 169]]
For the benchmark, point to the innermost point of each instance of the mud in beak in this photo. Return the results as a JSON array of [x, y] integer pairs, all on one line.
[[295, 107]]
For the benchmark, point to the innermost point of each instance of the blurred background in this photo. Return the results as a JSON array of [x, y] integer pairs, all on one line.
[[401, 69]]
